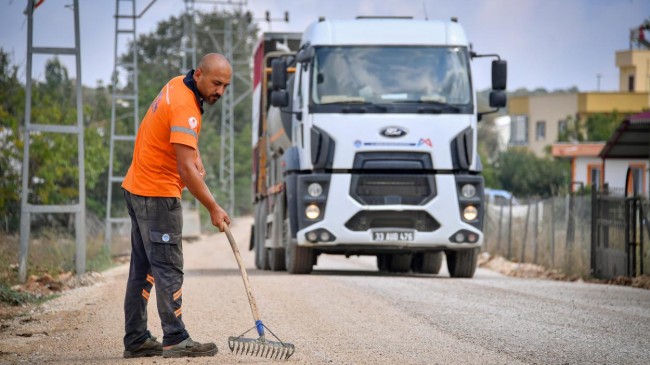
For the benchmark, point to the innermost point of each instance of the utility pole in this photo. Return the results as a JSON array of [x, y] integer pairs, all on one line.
[[227, 147], [124, 105], [27, 209], [598, 76]]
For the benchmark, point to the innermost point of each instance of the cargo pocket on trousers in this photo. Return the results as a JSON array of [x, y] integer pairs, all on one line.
[[167, 247]]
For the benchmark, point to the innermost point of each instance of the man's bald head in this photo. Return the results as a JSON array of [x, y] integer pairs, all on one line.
[[212, 61], [212, 76]]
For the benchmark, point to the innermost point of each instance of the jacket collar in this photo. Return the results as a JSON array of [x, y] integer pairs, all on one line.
[[191, 84]]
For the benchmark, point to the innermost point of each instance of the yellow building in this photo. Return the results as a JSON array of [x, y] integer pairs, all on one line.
[[538, 120]]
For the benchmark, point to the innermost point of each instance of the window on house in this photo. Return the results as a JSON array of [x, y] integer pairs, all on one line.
[[519, 130], [540, 131], [630, 83], [594, 175], [561, 130]]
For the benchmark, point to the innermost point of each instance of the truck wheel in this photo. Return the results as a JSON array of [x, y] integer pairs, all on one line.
[[276, 258], [427, 263], [462, 263], [399, 262], [261, 261], [299, 260]]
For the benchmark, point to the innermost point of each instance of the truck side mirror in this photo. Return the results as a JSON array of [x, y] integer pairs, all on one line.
[[280, 98], [305, 55], [499, 75], [278, 74], [497, 99]]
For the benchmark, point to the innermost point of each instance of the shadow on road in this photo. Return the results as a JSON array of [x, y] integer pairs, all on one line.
[[317, 272]]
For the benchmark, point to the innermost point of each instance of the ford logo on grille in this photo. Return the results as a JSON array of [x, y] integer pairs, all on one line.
[[393, 132]]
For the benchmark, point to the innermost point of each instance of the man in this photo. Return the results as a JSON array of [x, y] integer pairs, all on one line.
[[166, 159]]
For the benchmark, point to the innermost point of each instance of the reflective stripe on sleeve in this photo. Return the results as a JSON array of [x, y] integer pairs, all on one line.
[[184, 130]]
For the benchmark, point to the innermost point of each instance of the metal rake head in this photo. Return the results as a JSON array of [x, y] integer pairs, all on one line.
[[261, 347]]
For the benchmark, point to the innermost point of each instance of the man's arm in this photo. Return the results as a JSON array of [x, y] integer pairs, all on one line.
[[199, 164], [186, 162]]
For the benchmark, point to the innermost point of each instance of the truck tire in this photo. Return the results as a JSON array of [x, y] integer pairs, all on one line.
[[276, 257], [427, 262], [299, 260], [462, 263], [261, 260], [399, 262]]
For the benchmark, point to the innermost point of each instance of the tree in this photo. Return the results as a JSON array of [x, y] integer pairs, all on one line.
[[12, 101], [525, 174], [53, 167], [601, 126], [160, 59]]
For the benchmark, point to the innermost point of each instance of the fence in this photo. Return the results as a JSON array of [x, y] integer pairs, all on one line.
[[620, 233], [557, 232], [553, 232]]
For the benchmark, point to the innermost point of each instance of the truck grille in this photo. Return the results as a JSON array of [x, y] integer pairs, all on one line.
[[384, 178], [392, 189]]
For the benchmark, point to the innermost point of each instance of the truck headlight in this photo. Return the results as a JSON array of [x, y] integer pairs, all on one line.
[[314, 190], [312, 212], [470, 213], [468, 191]]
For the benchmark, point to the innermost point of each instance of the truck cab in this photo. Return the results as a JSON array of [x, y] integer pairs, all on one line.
[[370, 148]]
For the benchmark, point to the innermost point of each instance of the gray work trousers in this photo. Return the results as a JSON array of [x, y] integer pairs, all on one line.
[[156, 257]]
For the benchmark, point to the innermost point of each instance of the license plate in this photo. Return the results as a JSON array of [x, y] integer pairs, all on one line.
[[388, 236]]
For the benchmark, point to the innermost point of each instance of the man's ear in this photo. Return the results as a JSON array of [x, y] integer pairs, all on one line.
[[197, 74]]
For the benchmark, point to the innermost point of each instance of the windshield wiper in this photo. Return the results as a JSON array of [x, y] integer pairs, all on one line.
[[362, 106], [431, 106]]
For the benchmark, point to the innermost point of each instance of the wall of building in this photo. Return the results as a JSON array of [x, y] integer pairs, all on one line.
[[624, 103], [581, 169], [551, 109], [616, 172]]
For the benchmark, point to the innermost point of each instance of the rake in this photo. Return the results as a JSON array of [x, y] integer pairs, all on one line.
[[255, 346]]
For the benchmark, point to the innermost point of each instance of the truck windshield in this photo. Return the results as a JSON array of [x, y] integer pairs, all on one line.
[[405, 75]]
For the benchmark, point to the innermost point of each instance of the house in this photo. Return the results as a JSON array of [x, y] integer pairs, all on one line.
[[626, 156], [586, 165], [538, 120], [622, 162]]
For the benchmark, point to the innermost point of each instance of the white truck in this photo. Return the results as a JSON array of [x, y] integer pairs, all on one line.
[[364, 143]]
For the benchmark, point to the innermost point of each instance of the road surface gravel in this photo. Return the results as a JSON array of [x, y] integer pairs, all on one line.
[[348, 313]]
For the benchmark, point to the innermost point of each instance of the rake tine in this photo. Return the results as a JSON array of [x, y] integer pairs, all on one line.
[[259, 347]]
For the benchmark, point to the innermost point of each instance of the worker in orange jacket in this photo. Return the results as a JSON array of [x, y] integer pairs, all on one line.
[[165, 160]]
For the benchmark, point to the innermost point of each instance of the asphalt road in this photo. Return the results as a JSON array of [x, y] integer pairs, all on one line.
[[347, 313]]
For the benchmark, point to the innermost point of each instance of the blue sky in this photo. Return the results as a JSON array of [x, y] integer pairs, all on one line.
[[547, 43]]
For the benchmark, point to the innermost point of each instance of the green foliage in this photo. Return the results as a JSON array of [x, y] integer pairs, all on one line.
[[12, 101], [53, 169], [601, 126], [524, 174], [160, 58], [13, 297]]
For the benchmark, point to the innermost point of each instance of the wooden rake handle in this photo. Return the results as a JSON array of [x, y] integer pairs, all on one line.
[[247, 284]]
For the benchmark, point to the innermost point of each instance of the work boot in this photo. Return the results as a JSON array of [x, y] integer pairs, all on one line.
[[190, 348], [150, 347]]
